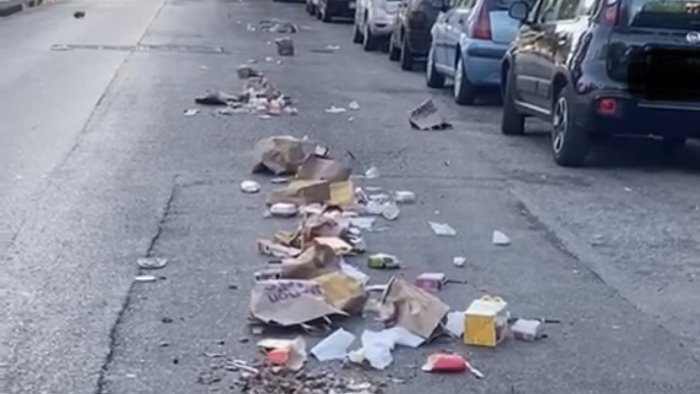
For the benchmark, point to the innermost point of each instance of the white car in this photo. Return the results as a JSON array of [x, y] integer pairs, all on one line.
[[374, 20]]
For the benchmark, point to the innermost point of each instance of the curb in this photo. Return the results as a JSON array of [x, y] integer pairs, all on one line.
[[15, 6]]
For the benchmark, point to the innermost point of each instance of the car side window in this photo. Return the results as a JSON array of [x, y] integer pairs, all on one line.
[[587, 7], [568, 9], [547, 11]]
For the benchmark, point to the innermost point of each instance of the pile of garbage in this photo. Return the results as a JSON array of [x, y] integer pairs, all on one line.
[[257, 95], [276, 380], [308, 284]]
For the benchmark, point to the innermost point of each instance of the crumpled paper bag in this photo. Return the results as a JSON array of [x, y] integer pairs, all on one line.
[[344, 291], [314, 261], [290, 302], [408, 306], [279, 155]]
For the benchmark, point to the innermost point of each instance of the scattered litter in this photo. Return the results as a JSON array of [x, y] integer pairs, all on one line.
[[279, 181], [427, 117], [330, 48], [372, 173], [145, 278], [442, 229], [404, 197], [274, 249], [250, 187], [351, 119], [350, 270], [383, 261], [412, 308], [354, 105], [285, 46], [527, 330], [343, 291], [215, 98], [335, 110], [500, 239], [191, 112], [455, 323], [79, 14], [283, 209], [390, 211], [430, 281], [269, 59], [265, 116], [376, 349], [279, 155], [449, 363], [152, 263], [338, 246], [290, 353], [271, 380], [486, 321], [333, 47], [363, 222], [459, 261], [628, 189], [277, 26], [246, 71], [333, 347]]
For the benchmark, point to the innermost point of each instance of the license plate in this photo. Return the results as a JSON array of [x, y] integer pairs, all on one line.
[[351, 5]]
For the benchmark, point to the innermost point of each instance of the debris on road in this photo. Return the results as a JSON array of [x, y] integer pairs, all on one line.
[[274, 249], [283, 209], [390, 211], [404, 197], [383, 261], [426, 117], [145, 278], [279, 155], [335, 110], [285, 46], [449, 363], [191, 112], [372, 173], [277, 26], [215, 98], [250, 187], [412, 308], [334, 347], [430, 281], [486, 321], [79, 14], [354, 105], [273, 381], [151, 263], [459, 261], [246, 71], [500, 239], [290, 353], [442, 229], [455, 323], [527, 330]]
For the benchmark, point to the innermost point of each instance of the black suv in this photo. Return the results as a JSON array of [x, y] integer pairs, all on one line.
[[411, 37], [601, 67]]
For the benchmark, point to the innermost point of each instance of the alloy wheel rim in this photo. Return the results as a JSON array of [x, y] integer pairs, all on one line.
[[559, 124], [458, 77]]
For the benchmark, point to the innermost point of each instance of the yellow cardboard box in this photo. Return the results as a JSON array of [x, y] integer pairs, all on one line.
[[486, 321]]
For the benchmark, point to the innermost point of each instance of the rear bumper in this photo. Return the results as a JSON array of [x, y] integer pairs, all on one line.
[[382, 26], [638, 117], [483, 61]]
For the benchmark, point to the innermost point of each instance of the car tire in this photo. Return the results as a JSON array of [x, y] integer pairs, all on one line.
[[464, 92], [394, 51], [512, 121], [369, 42], [433, 78], [570, 142], [406, 57], [356, 35]]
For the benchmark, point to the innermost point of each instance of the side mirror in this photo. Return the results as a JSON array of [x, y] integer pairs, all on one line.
[[519, 10]]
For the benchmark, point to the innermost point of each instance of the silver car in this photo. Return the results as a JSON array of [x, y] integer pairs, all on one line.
[[374, 21]]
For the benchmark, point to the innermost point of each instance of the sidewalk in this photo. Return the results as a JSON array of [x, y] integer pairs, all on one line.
[[9, 7]]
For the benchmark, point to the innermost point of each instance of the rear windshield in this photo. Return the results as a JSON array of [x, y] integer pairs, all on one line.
[[664, 14]]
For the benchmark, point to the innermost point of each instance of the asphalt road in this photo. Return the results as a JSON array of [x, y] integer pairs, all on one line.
[[100, 167]]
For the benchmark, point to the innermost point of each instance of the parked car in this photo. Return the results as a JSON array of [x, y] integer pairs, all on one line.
[[604, 67], [374, 20], [411, 38], [326, 10], [468, 44]]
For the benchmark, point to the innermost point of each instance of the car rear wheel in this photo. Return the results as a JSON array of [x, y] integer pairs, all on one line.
[[464, 91], [432, 77], [406, 55], [369, 42], [570, 143], [512, 121], [326, 16], [394, 51]]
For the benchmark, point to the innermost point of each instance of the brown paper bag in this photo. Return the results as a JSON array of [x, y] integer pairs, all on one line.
[[316, 168], [314, 261], [412, 308], [290, 302], [301, 192], [279, 155], [344, 291]]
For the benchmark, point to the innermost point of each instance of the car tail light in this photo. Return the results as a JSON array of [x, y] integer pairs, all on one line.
[[610, 13], [481, 25], [606, 106]]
